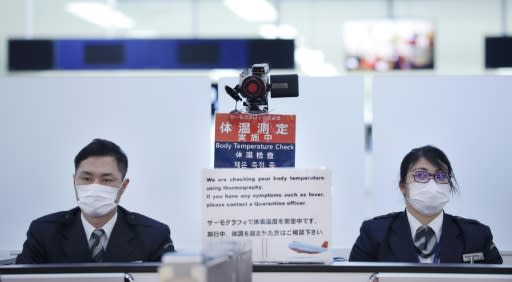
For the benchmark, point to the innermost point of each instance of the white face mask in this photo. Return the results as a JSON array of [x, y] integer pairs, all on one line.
[[428, 198], [96, 199]]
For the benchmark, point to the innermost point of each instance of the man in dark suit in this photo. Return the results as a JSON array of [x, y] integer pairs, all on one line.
[[388, 238], [98, 230]]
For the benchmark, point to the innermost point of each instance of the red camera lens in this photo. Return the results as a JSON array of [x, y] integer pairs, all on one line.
[[253, 87]]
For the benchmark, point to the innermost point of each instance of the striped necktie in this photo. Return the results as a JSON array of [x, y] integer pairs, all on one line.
[[95, 245], [425, 241]]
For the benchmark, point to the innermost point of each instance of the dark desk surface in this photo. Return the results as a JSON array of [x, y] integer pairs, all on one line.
[[387, 267], [339, 267], [79, 268]]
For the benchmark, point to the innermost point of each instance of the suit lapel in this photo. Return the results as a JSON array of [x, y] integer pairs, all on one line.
[[121, 242], [400, 240], [451, 242], [74, 243]]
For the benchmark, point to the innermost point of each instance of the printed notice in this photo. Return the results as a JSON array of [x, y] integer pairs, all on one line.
[[285, 212], [254, 141]]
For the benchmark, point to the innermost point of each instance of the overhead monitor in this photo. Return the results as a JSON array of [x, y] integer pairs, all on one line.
[[498, 52], [96, 54], [144, 54], [384, 45]]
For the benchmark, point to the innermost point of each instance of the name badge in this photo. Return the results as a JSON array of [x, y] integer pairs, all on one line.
[[472, 257]]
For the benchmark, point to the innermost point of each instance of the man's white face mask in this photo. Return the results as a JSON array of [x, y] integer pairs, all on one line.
[[428, 198], [96, 200]]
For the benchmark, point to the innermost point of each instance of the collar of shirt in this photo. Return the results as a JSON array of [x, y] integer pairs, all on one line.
[[436, 224], [107, 228]]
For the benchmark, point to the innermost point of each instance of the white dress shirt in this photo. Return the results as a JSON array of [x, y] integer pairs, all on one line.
[[436, 224], [107, 228]]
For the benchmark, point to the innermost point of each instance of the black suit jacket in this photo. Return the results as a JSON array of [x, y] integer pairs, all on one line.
[[388, 238], [60, 238]]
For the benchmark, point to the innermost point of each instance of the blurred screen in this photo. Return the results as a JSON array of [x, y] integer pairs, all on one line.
[[197, 53], [383, 45], [498, 52], [97, 54]]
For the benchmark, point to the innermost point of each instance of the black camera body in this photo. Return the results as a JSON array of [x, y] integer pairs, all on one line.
[[255, 84]]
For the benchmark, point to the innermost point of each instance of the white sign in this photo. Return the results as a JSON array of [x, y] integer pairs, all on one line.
[[285, 212]]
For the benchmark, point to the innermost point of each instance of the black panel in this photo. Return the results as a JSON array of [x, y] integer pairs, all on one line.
[[97, 54], [351, 267], [383, 267], [498, 52], [278, 53], [30, 54], [200, 53]]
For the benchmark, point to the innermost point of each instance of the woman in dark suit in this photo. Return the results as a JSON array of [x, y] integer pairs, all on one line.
[[423, 232]]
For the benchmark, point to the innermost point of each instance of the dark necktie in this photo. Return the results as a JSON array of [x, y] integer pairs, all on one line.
[[95, 245], [425, 241]]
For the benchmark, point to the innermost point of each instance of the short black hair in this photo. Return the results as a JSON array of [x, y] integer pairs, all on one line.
[[434, 156], [103, 148]]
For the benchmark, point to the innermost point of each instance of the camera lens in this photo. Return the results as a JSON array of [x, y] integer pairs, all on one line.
[[253, 87]]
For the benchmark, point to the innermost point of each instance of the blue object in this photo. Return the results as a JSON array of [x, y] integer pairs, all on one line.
[[108, 54]]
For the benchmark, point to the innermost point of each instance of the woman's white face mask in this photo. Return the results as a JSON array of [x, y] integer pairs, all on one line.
[[428, 198], [96, 200]]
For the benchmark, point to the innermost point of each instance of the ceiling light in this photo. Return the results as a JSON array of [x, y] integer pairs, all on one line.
[[100, 14], [253, 10]]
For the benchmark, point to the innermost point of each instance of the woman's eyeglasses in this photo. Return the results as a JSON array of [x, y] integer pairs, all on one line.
[[439, 177]]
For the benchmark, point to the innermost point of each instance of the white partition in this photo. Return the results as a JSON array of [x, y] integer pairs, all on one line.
[[330, 133], [162, 123], [468, 117]]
